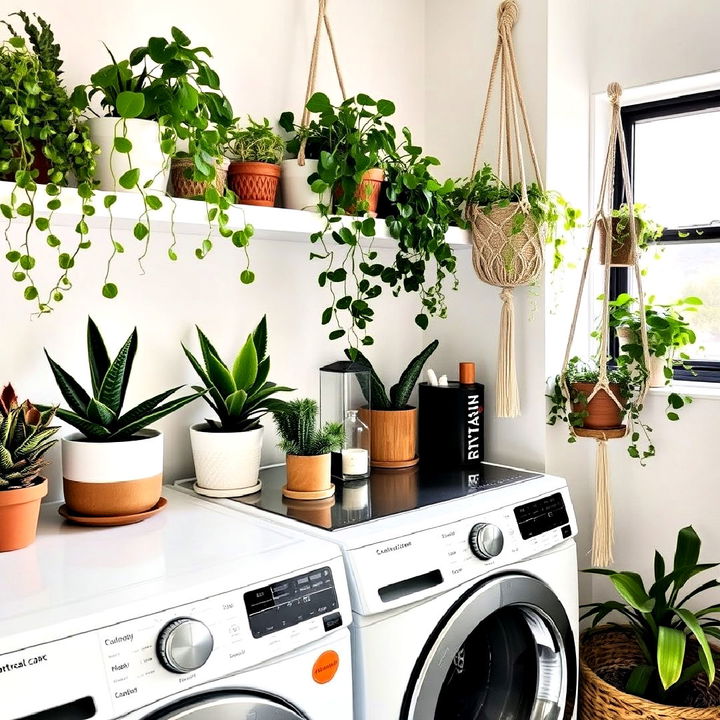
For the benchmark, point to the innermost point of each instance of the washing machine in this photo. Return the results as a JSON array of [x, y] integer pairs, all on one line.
[[463, 589], [190, 614]]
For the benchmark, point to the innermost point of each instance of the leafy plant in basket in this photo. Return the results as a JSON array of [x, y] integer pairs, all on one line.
[[170, 83], [662, 624], [646, 230], [42, 142], [98, 414]]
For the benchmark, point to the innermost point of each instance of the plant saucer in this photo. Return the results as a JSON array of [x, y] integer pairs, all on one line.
[[230, 493], [110, 520]]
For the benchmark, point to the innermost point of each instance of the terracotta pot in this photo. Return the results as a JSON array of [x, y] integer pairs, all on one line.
[[19, 510], [603, 413], [254, 183], [393, 436], [308, 473], [186, 187], [368, 190], [623, 249], [112, 478]]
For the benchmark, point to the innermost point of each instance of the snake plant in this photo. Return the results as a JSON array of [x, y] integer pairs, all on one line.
[[400, 392], [99, 416], [25, 436], [240, 395]]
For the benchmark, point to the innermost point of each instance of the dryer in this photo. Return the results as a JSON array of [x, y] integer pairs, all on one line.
[[190, 614], [463, 589]]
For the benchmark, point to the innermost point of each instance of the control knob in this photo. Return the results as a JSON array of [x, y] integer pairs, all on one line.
[[486, 540], [184, 645]]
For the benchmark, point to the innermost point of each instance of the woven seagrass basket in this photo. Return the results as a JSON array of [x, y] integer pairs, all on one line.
[[611, 652], [184, 187], [501, 257]]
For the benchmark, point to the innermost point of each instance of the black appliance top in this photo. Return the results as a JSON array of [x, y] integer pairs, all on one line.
[[386, 492]]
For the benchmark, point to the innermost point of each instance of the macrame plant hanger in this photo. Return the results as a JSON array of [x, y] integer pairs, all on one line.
[[603, 529], [504, 254], [322, 20]]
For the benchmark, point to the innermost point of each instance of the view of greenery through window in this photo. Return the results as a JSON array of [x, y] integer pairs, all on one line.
[[677, 175]]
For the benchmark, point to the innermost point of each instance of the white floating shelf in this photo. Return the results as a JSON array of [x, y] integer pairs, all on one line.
[[190, 217]]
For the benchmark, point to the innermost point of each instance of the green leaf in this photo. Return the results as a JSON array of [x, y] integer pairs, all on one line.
[[639, 680], [115, 382], [180, 37], [421, 321], [30, 292], [75, 396], [400, 393], [109, 200], [122, 145], [161, 412], [318, 102], [218, 401], [153, 202], [99, 413], [336, 334], [130, 104], [385, 107], [110, 290], [247, 277], [670, 654], [89, 429], [687, 549], [144, 408], [98, 358], [141, 231], [236, 402], [245, 367], [130, 179], [705, 657], [42, 223], [260, 335], [630, 587], [220, 375]]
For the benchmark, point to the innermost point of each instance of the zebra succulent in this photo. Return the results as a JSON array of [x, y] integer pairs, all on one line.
[[99, 416], [25, 436]]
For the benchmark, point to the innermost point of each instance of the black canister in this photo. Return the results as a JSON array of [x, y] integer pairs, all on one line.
[[451, 422]]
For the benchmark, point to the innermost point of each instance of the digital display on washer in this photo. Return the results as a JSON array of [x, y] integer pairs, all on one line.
[[538, 517], [289, 602]]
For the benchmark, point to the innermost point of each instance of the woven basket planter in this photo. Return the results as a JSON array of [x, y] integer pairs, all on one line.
[[254, 183], [186, 187], [499, 257], [609, 651], [623, 253]]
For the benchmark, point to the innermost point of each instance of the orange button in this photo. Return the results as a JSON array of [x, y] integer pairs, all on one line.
[[325, 667]]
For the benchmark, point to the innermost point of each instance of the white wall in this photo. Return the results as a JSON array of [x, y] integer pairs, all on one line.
[[261, 52]]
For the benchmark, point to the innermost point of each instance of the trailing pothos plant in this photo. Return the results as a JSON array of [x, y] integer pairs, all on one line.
[[42, 141], [662, 624], [170, 82], [547, 207], [348, 140]]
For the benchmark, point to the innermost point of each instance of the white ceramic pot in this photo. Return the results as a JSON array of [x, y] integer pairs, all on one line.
[[112, 478], [226, 461], [296, 192], [146, 154]]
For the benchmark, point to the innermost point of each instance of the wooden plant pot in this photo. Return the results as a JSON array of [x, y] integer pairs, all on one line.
[[623, 252], [108, 479], [368, 190], [612, 650], [19, 511], [603, 413], [254, 183], [308, 477], [393, 437], [186, 187]]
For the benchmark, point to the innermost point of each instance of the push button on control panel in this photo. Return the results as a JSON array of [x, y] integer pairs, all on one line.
[[330, 622]]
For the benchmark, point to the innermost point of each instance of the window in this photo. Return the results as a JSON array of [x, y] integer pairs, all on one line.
[[674, 152]]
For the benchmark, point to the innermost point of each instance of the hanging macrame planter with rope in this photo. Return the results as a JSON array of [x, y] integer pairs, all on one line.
[[507, 242], [603, 528]]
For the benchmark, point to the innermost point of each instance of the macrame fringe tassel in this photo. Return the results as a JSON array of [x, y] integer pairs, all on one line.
[[507, 398], [603, 531]]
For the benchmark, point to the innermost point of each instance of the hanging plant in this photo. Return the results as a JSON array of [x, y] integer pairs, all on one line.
[[170, 83], [41, 142]]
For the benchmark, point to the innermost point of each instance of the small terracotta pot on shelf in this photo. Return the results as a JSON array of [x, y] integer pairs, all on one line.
[[19, 511], [623, 253], [393, 437], [368, 190], [603, 412], [254, 183], [185, 187], [308, 477]]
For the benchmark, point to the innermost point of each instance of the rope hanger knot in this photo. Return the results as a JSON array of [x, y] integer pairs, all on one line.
[[614, 91], [506, 295], [507, 15]]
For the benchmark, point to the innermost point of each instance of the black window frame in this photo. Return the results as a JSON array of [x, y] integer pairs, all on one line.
[[702, 370]]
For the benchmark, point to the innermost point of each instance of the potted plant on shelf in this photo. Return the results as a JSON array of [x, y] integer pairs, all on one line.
[[392, 422], [25, 436], [42, 141], [299, 171], [255, 153], [667, 331], [308, 449], [183, 183], [113, 466], [659, 664], [622, 252], [227, 451]]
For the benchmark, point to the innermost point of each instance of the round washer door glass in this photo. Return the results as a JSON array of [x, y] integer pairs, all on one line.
[[506, 652], [228, 706]]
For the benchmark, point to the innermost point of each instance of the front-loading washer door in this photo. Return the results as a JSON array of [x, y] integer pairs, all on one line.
[[228, 705], [504, 651]]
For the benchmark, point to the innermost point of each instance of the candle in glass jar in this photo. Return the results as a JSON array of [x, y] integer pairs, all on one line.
[[355, 461]]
